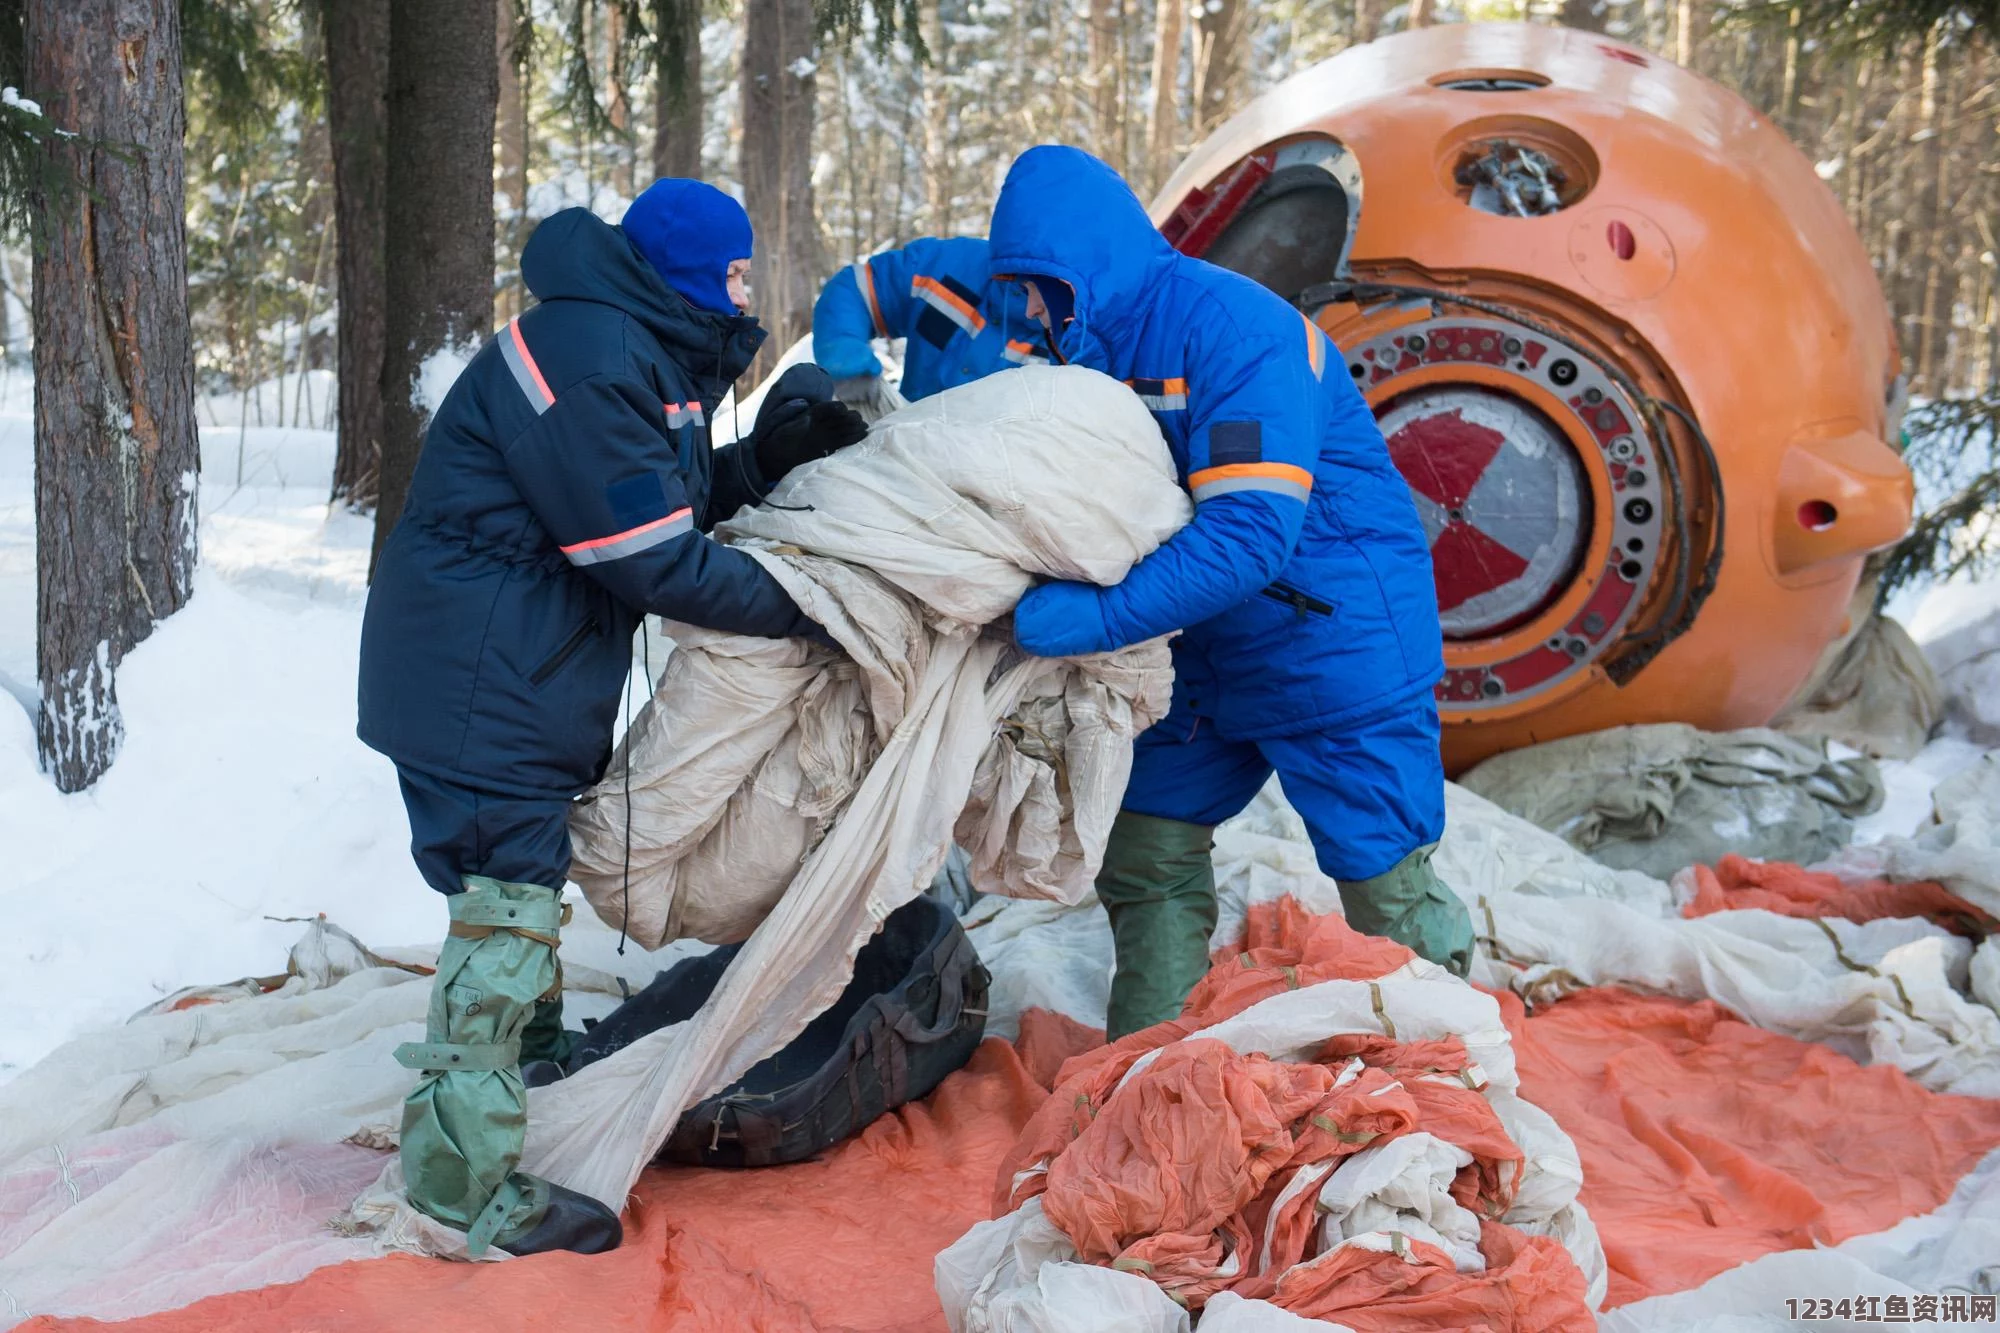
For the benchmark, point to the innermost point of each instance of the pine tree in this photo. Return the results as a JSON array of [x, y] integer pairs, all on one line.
[[356, 37], [444, 88], [116, 455]]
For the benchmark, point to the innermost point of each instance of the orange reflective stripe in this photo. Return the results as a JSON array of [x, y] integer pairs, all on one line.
[[1315, 348], [1235, 471], [528, 375], [631, 541], [864, 278], [1160, 395], [1273, 478], [948, 302]]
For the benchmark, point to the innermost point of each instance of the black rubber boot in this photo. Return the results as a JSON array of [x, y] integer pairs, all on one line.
[[571, 1221], [541, 1073]]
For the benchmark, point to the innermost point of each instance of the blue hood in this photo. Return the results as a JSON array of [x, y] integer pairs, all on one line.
[[577, 256], [1064, 214], [691, 232]]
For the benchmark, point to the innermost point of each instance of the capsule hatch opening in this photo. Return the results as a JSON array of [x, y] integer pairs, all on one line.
[[1285, 216]]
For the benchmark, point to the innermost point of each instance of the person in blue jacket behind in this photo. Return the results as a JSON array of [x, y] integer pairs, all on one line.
[[1302, 585], [563, 492], [960, 324]]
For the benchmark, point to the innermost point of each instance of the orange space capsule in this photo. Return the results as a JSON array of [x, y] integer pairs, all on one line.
[[1623, 344]]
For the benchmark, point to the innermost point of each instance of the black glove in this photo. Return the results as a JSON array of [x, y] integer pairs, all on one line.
[[801, 421]]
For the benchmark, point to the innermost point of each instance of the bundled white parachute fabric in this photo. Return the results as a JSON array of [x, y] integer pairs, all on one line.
[[751, 748], [851, 773]]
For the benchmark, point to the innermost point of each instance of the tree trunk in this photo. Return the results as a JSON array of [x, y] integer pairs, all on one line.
[[677, 96], [357, 74], [940, 156], [1162, 117], [1420, 14], [1102, 81], [1367, 20], [1584, 15], [1684, 34], [438, 235], [778, 96], [1655, 20], [1789, 94], [511, 149], [1938, 149], [116, 454], [624, 170], [1220, 29]]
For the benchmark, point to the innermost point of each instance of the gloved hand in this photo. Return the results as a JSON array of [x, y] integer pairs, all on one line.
[[800, 421], [846, 358], [810, 431], [1062, 620]]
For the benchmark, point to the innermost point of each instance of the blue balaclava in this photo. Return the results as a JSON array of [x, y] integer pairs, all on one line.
[[690, 232]]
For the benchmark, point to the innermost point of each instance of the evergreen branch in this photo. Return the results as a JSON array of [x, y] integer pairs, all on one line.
[[31, 175], [1961, 534], [577, 96], [237, 78]]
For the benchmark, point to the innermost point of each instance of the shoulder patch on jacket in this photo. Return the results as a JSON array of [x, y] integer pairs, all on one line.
[[637, 499], [1235, 442]]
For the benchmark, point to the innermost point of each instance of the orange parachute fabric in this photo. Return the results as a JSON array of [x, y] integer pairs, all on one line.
[[1777, 886], [1705, 1143]]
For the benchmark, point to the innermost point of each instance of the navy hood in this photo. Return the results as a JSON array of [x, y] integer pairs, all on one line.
[[577, 256], [1064, 214]]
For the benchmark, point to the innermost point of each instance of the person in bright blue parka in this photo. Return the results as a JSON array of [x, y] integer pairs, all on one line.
[[939, 295], [1310, 639], [565, 490]]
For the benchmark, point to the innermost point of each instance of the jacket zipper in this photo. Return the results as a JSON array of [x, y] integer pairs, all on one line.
[[1300, 601], [570, 648]]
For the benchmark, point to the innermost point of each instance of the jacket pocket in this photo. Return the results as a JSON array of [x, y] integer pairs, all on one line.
[[561, 656], [1298, 599]]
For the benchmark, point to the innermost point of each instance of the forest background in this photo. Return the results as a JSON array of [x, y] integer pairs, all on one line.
[[342, 188]]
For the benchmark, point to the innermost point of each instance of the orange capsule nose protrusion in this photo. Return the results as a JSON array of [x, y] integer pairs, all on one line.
[[1842, 492]]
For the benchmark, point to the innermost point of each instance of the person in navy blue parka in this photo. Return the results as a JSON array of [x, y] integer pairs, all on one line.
[[563, 492], [1302, 585]]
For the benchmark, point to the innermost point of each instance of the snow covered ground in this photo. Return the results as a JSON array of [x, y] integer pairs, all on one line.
[[242, 795]]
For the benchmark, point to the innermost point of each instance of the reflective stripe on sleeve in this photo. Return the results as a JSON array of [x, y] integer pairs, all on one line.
[[1315, 348], [682, 414], [864, 278], [514, 351], [1023, 354], [1161, 395], [631, 541], [1274, 478], [947, 303]]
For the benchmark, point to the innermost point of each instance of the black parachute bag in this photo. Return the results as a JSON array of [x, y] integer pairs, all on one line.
[[914, 1012]]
